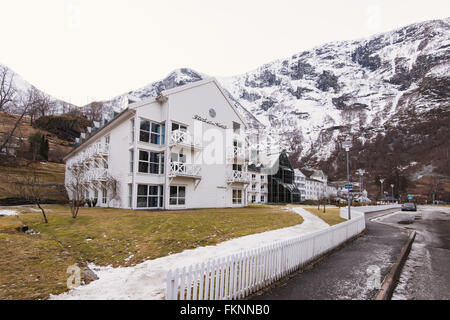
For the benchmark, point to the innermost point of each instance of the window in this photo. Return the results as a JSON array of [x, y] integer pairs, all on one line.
[[237, 167], [130, 195], [237, 196], [254, 176], [107, 142], [149, 196], [262, 198], [177, 157], [151, 162], [236, 127], [132, 130], [176, 126], [177, 195], [95, 194], [262, 178], [253, 198], [87, 194], [131, 161], [104, 195], [151, 132]]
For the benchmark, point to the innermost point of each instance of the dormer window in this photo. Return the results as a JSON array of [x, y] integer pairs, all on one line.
[[236, 128]]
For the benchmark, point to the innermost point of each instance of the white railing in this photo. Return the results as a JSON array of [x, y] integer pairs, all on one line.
[[239, 275], [184, 138], [99, 174], [237, 152], [184, 169], [238, 176]]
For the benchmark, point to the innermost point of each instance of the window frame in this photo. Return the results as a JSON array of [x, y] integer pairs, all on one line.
[[159, 196], [238, 198], [149, 163], [177, 197], [160, 135]]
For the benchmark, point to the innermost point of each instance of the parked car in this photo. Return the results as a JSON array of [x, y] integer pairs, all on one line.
[[409, 206]]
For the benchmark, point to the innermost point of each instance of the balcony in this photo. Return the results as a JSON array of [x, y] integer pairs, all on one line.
[[182, 169], [95, 174], [238, 176], [184, 138], [239, 153]]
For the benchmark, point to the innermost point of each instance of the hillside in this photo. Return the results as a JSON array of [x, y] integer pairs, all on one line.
[[50, 174], [390, 93]]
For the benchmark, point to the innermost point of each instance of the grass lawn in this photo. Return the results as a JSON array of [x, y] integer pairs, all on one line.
[[49, 173], [331, 215], [32, 266]]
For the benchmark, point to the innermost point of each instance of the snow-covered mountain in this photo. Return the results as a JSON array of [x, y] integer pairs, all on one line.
[[379, 90], [21, 87], [318, 96]]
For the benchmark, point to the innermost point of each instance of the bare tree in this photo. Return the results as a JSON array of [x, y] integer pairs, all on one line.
[[29, 186], [22, 108], [42, 104], [112, 184], [76, 188], [7, 89], [94, 111]]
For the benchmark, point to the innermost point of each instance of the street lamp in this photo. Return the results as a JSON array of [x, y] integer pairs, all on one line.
[[347, 144], [361, 173], [392, 186], [381, 180]]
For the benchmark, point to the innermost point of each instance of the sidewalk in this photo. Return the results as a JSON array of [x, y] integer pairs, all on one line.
[[344, 274]]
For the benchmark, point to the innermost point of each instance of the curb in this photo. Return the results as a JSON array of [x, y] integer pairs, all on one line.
[[390, 281]]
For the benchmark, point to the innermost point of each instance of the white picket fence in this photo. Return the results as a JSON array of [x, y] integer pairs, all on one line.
[[239, 275]]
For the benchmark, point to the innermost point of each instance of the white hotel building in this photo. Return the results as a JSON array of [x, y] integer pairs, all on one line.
[[183, 149]]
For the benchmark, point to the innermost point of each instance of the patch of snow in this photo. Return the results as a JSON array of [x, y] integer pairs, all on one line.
[[6, 212], [146, 280]]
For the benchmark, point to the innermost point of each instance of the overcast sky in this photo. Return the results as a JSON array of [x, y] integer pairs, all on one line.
[[90, 50]]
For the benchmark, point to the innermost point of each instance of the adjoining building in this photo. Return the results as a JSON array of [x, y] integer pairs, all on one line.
[[300, 182], [258, 188], [281, 185], [183, 149]]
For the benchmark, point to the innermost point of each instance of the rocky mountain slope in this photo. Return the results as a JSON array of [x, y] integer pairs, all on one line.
[[389, 92], [362, 88]]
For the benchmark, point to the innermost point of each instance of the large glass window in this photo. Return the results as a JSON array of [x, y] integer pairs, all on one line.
[[237, 196], [149, 196], [151, 132], [151, 162], [177, 195]]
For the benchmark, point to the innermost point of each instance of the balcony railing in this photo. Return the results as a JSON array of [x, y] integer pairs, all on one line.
[[237, 153], [238, 176], [184, 169], [184, 138], [95, 174]]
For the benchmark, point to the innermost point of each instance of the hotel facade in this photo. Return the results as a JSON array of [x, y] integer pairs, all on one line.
[[184, 149]]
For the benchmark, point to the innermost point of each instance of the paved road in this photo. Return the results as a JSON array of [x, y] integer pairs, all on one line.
[[426, 274], [347, 273]]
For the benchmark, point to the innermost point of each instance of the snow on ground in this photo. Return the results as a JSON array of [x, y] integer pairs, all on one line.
[[6, 212], [146, 280]]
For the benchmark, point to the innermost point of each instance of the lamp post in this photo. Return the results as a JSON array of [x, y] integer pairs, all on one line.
[[347, 144], [361, 174], [392, 186], [381, 180]]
